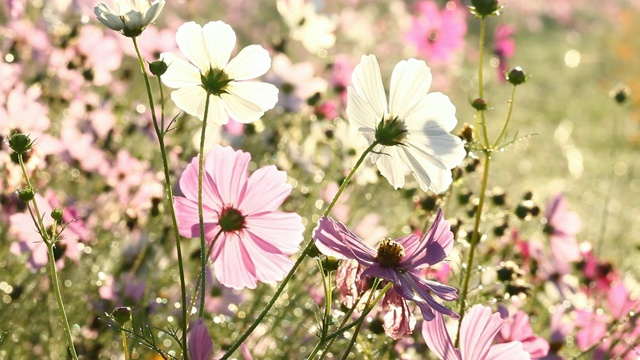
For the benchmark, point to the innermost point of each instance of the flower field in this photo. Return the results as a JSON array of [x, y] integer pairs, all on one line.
[[319, 179]]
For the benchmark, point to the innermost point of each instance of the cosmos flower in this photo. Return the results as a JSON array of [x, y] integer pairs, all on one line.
[[412, 132], [517, 327], [437, 34], [562, 226], [200, 344], [313, 30], [504, 47], [479, 328], [255, 239], [209, 72], [130, 17], [397, 261]]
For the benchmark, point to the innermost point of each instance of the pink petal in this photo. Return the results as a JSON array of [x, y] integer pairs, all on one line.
[[188, 219], [282, 230], [189, 185], [438, 340], [233, 267], [228, 171], [478, 329], [269, 266], [266, 190], [508, 351]]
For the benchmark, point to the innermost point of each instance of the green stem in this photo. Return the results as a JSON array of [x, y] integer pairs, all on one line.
[[301, 258], [51, 243], [506, 123], [203, 245], [483, 123], [125, 346], [474, 242], [169, 198], [360, 320]]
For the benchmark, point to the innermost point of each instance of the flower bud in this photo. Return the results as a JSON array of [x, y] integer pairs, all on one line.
[[480, 104], [484, 8], [158, 68], [26, 195], [330, 264], [20, 143], [466, 133], [121, 315], [620, 94], [516, 76], [56, 214]]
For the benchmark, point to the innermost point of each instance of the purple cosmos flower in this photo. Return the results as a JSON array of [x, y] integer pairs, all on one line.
[[200, 344], [479, 328], [562, 226], [397, 261]]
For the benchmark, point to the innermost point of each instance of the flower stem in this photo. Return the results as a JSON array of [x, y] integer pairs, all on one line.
[[301, 258], [160, 133], [125, 346], [474, 242], [480, 113], [360, 320], [506, 123], [203, 245], [50, 242]]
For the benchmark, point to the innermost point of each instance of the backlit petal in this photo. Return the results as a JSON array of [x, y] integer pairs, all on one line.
[[410, 82], [251, 62], [219, 39], [191, 42]]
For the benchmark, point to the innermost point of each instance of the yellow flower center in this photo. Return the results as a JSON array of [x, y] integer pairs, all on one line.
[[390, 253]]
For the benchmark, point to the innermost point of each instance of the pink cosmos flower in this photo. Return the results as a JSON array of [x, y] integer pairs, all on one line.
[[562, 226], [518, 328], [200, 344], [504, 47], [479, 328], [397, 261], [255, 240], [437, 34]]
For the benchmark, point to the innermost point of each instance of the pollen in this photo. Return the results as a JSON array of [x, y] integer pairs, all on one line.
[[390, 253]]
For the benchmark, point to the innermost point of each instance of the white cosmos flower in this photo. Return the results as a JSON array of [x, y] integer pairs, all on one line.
[[210, 72], [130, 17], [413, 130], [313, 30]]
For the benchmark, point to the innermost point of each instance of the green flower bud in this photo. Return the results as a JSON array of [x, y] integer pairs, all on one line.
[[20, 143], [484, 8], [516, 76], [479, 104], [620, 94], [158, 68], [121, 315], [26, 195], [330, 264], [56, 214]]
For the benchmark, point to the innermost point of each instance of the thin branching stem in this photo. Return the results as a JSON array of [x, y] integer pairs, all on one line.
[[160, 133]]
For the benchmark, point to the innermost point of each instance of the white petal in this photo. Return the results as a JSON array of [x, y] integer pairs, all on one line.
[[428, 175], [153, 12], [410, 82], [367, 82], [217, 113], [391, 166], [220, 40], [191, 42], [179, 72], [190, 100], [444, 150], [434, 111], [251, 62], [360, 112], [264, 95], [241, 110]]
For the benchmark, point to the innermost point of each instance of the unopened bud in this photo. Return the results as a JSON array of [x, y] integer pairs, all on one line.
[[158, 68], [516, 76], [26, 195], [484, 8], [480, 104], [121, 315], [620, 94], [56, 214], [20, 143]]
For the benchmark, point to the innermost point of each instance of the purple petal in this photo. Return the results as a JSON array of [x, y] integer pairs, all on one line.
[[200, 344], [334, 239], [436, 245]]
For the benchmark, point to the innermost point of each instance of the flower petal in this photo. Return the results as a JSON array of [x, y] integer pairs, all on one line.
[[219, 39], [509, 351], [438, 340], [429, 176], [367, 82], [270, 265], [410, 83], [228, 171], [233, 267], [189, 186], [361, 114], [391, 166], [192, 44], [190, 100], [434, 111], [241, 110], [478, 329], [334, 239], [264, 95], [281, 230], [179, 72], [266, 190], [433, 248], [189, 221], [251, 62]]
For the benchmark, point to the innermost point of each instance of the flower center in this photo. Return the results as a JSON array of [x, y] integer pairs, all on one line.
[[231, 220], [432, 36], [390, 253], [215, 81], [548, 229], [391, 132]]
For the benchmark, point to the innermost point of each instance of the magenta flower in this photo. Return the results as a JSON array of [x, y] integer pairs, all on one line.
[[437, 34], [562, 226], [518, 328], [200, 344], [504, 47], [397, 261], [255, 240], [479, 328]]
